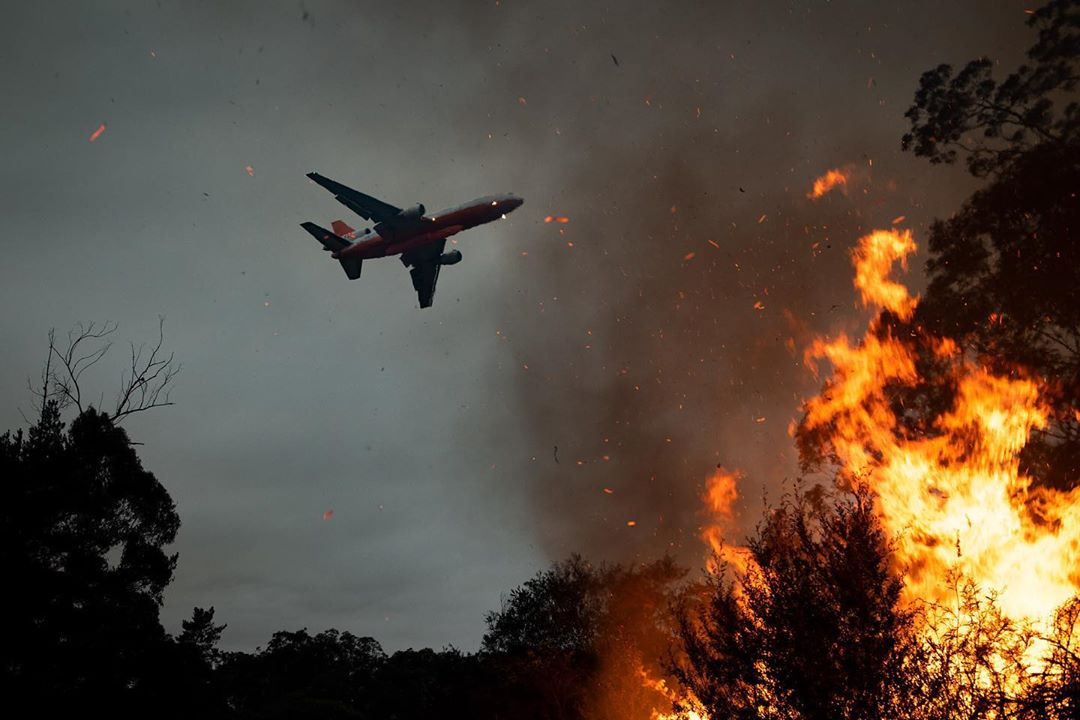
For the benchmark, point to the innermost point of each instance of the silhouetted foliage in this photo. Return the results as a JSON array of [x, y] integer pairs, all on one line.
[[575, 639], [812, 628], [303, 676], [1054, 691], [82, 541], [991, 123], [1005, 270], [201, 633]]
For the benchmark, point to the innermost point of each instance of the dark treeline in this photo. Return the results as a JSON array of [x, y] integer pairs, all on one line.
[[811, 626]]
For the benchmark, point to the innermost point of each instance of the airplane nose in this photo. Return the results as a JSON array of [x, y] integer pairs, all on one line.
[[515, 203]]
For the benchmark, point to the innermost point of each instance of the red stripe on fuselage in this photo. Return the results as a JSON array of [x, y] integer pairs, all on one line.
[[434, 228]]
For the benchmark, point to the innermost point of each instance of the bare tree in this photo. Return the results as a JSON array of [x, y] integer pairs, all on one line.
[[144, 384]]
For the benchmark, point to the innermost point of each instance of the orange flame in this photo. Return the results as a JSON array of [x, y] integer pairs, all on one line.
[[721, 492], [692, 707], [837, 178], [956, 499]]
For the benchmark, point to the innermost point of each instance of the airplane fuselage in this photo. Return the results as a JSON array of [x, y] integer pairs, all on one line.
[[428, 228]]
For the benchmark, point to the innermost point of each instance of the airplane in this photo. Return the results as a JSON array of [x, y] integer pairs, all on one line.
[[418, 238]]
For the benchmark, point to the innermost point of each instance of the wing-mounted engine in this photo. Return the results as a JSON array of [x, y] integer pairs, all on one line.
[[412, 213], [405, 223], [450, 258]]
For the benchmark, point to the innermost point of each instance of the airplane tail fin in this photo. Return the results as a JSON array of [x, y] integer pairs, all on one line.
[[334, 242], [352, 266], [340, 227]]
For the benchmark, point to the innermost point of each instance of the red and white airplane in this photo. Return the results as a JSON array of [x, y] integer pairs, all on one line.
[[417, 237]]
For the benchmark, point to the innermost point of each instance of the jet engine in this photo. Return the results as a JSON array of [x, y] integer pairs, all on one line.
[[450, 258], [412, 213]]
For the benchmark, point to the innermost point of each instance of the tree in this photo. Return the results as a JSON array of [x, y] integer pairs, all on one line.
[[83, 532], [812, 629], [579, 640], [203, 635], [144, 384], [1005, 270], [991, 123], [299, 675], [82, 537], [1054, 692]]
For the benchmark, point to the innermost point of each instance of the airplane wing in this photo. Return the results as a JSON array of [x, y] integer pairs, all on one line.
[[425, 270], [363, 205]]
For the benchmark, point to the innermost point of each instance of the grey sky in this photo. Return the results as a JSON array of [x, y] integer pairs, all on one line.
[[423, 430]]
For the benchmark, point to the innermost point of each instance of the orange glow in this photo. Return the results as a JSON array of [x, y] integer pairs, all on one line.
[[328, 514], [556, 218], [721, 492], [831, 180], [955, 498], [97, 133], [692, 708], [688, 256], [631, 523]]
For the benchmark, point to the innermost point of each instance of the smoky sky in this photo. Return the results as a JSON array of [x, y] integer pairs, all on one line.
[[654, 335]]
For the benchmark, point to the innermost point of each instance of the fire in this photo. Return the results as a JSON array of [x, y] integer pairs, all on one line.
[[955, 497], [721, 492], [837, 178], [691, 708]]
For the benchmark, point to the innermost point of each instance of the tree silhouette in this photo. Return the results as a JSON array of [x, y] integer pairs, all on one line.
[[812, 628], [1005, 270], [574, 640], [299, 675], [991, 124], [82, 538], [144, 384]]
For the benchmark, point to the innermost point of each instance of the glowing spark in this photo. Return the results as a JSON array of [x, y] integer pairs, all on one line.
[[97, 133], [899, 219], [688, 256], [521, 101], [250, 170], [631, 523], [328, 514]]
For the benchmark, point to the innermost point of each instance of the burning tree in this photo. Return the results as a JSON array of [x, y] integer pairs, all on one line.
[[812, 628], [1005, 270]]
